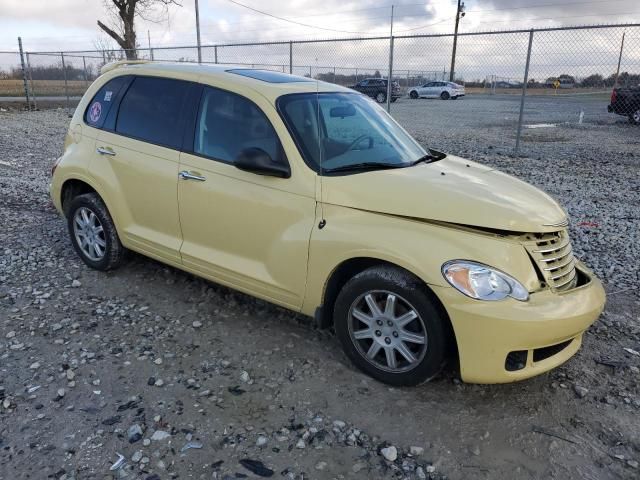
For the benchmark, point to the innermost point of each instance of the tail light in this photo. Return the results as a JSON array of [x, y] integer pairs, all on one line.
[[614, 94]]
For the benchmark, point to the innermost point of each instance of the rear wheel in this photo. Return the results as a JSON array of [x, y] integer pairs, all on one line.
[[381, 97], [445, 95], [390, 327], [635, 117], [413, 94], [93, 233]]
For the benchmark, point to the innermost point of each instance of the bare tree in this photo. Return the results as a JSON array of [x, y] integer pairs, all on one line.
[[124, 13]]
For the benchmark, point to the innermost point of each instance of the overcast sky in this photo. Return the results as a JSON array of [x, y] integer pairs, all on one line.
[[71, 24]]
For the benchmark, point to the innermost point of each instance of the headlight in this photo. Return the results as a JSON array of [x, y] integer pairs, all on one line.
[[482, 282]]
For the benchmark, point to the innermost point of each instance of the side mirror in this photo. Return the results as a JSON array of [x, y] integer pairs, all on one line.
[[256, 160]]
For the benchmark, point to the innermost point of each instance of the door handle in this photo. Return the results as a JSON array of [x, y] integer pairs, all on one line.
[[105, 151], [185, 175]]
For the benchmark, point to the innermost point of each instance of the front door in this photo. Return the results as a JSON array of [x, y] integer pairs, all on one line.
[[241, 229]]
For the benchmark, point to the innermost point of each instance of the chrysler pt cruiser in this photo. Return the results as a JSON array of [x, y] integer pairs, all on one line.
[[310, 196]]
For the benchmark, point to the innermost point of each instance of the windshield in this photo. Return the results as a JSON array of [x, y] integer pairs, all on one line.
[[348, 130]]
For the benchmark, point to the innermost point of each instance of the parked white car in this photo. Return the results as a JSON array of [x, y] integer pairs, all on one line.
[[443, 90]]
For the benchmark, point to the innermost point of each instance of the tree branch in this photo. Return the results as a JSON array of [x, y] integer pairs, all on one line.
[[113, 35]]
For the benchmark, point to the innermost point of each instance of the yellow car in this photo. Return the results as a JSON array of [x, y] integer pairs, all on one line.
[[312, 197]]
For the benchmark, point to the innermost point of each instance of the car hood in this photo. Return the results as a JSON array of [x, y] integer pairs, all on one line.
[[452, 190]]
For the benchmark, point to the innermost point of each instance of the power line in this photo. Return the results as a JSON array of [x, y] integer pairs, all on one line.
[[291, 21]]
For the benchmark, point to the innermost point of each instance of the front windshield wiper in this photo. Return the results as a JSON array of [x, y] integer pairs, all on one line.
[[433, 156], [365, 166]]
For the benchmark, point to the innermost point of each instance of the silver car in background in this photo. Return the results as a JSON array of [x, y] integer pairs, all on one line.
[[442, 90]]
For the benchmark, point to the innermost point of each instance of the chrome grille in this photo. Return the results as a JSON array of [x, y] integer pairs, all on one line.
[[554, 256]]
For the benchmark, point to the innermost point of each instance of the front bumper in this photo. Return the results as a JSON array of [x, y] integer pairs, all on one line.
[[487, 332]]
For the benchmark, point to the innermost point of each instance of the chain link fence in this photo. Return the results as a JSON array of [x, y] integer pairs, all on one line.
[[513, 80]]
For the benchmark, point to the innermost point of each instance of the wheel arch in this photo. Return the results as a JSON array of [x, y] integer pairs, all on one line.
[[347, 269], [71, 188]]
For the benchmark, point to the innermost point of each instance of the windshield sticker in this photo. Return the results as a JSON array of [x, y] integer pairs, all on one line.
[[94, 112], [107, 95]]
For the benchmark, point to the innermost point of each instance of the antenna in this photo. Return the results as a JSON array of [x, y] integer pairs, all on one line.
[[323, 222]]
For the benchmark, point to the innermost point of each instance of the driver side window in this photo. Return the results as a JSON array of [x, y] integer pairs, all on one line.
[[229, 123]]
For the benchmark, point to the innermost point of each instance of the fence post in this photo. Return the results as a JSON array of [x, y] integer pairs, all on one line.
[[84, 71], [33, 93], [524, 92], [291, 58], [390, 76], [24, 74], [215, 54], [66, 86]]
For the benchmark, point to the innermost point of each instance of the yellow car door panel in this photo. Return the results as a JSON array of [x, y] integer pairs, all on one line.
[[139, 160], [246, 230]]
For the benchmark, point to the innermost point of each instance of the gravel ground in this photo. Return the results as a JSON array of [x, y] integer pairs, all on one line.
[[148, 360]]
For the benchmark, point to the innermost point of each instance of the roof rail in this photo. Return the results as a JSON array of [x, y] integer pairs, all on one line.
[[113, 65]]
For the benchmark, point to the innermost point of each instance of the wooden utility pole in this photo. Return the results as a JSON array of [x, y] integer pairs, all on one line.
[[198, 32], [459, 15]]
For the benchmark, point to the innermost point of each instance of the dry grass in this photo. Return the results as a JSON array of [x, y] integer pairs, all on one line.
[[15, 88]]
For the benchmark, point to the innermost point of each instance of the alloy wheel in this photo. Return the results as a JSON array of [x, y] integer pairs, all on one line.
[[89, 234], [387, 331]]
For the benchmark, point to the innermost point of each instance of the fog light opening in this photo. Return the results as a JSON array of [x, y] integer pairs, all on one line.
[[516, 360]]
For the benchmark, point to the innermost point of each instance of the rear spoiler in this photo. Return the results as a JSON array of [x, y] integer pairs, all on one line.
[[113, 65]]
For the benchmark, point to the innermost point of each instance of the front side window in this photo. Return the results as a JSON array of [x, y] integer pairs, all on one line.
[[229, 123], [348, 130], [150, 110]]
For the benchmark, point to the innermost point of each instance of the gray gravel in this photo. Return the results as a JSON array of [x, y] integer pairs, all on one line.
[[187, 379]]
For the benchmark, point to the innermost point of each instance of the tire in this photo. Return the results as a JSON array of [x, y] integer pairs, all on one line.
[[634, 118], [381, 97], [413, 94], [445, 96], [454, 98], [370, 352], [90, 224]]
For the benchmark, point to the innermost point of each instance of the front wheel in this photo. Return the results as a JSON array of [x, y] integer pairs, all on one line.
[[381, 97], [93, 233], [634, 118], [389, 326], [413, 94], [445, 95]]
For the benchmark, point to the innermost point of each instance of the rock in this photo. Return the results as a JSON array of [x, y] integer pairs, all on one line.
[[159, 383], [301, 444], [475, 450], [358, 466], [160, 435], [389, 453], [76, 284], [134, 433], [261, 441], [34, 366], [11, 334], [196, 324], [60, 393], [416, 451], [137, 456], [244, 376], [632, 463], [420, 473], [430, 469], [158, 361], [581, 392], [321, 465]]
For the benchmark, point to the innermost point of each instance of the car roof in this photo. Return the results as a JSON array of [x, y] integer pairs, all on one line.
[[261, 81]]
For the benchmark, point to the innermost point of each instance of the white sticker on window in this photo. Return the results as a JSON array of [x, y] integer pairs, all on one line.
[[107, 95]]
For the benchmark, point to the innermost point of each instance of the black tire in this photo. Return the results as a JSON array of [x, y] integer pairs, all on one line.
[[407, 288], [413, 94], [454, 98], [381, 97], [114, 252], [634, 118], [393, 99], [445, 96]]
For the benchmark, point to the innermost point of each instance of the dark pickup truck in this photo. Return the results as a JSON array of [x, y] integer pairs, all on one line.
[[376, 88], [626, 101]]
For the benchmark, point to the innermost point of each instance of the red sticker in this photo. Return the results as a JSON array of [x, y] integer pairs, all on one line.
[[94, 112]]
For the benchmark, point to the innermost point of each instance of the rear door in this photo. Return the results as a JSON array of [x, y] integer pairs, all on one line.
[[426, 90], [139, 164]]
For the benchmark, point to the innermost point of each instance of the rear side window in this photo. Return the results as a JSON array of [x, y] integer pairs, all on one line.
[[150, 111], [229, 123], [102, 101]]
